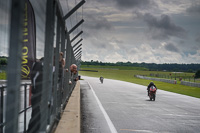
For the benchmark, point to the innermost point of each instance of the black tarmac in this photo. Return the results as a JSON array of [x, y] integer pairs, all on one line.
[[130, 110]]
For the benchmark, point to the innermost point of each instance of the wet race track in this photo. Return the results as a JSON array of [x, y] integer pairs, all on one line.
[[122, 107]]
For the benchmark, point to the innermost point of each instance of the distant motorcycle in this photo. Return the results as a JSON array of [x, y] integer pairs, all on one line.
[[152, 93], [101, 79]]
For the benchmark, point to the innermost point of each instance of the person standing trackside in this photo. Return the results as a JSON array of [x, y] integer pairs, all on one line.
[[36, 80], [61, 65], [73, 72]]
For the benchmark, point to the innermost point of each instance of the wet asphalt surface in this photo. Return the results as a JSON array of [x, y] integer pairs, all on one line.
[[131, 111]]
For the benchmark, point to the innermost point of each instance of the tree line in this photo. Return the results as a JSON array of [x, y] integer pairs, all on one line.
[[150, 66], [3, 60]]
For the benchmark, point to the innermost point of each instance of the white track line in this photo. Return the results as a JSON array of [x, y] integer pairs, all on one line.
[[109, 122]]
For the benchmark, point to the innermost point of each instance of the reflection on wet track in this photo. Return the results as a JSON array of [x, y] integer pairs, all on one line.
[[129, 110]]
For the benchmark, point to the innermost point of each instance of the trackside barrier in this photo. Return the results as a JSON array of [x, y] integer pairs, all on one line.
[[190, 84], [157, 79], [170, 81], [54, 37], [24, 106]]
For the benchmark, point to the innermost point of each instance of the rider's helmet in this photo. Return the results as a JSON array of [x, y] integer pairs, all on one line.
[[151, 83]]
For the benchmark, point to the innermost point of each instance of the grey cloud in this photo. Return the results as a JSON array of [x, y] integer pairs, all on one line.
[[194, 9], [174, 2], [94, 25], [197, 39], [99, 0], [171, 47], [144, 4], [135, 3], [162, 28], [182, 42], [97, 23], [99, 45], [118, 41]]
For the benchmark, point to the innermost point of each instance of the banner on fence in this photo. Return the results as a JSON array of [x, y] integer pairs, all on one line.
[[29, 40]]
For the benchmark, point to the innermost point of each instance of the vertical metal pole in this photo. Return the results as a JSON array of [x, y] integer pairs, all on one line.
[[60, 82], [1, 109], [14, 66], [56, 65], [25, 103], [70, 62], [67, 64], [63, 50], [72, 55], [73, 62], [48, 65], [62, 37]]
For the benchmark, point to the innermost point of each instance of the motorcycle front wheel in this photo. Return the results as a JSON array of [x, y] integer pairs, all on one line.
[[154, 97]]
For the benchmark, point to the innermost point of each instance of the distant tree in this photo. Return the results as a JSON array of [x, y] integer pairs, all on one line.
[[3, 61], [190, 70], [150, 66], [197, 74]]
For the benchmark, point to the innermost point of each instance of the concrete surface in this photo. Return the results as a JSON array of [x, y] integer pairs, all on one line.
[[70, 119]]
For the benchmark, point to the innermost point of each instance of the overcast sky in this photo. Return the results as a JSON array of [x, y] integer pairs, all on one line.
[[151, 31]]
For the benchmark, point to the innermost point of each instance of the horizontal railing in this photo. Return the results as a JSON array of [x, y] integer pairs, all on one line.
[[24, 88], [157, 79], [190, 84], [25, 105]]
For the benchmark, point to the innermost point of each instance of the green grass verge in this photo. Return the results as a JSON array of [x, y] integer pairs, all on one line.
[[114, 67], [3, 75], [128, 75]]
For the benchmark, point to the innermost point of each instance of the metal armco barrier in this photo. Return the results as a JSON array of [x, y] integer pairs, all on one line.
[[169, 81], [157, 79], [190, 84], [55, 90]]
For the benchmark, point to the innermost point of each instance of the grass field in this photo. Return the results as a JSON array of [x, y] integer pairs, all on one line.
[[3, 75], [128, 75]]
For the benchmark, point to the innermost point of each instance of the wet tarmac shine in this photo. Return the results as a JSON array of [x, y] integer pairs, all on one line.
[[130, 110]]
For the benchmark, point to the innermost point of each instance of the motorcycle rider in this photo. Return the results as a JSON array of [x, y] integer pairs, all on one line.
[[150, 84], [101, 79]]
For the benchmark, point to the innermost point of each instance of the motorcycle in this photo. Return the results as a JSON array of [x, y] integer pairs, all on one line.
[[101, 79], [152, 93]]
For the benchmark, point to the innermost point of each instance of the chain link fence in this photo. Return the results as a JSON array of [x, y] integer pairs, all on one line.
[[52, 38]]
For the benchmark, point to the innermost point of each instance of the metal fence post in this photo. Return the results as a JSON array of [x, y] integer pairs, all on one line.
[[1, 108], [14, 66], [56, 54], [67, 63], [48, 65], [25, 103], [62, 37], [62, 23]]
